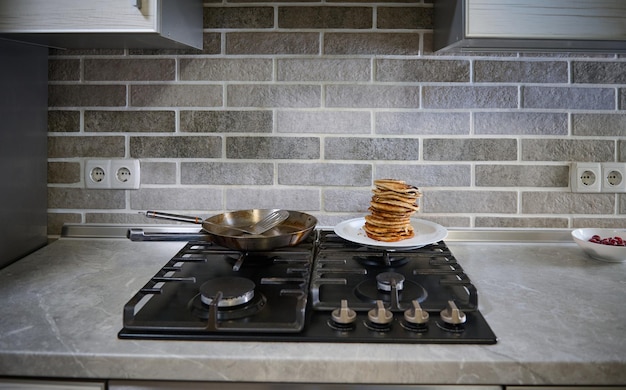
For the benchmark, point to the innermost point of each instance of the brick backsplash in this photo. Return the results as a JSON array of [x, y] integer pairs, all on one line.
[[302, 105]]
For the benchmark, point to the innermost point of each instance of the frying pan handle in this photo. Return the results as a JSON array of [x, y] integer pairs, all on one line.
[[141, 235], [173, 217]]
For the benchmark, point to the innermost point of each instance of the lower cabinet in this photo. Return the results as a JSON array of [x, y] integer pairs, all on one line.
[[38, 384], [565, 387], [175, 385]]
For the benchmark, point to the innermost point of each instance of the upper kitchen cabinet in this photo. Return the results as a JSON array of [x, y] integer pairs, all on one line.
[[530, 25], [97, 24]]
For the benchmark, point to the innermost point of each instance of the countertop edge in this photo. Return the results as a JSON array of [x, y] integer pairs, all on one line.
[[502, 373]]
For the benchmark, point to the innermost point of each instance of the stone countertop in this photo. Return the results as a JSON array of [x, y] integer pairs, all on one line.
[[559, 316]]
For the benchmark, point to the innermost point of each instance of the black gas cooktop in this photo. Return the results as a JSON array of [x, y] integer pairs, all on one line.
[[326, 289]]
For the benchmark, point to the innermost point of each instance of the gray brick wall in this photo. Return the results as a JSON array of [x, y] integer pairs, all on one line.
[[302, 105]]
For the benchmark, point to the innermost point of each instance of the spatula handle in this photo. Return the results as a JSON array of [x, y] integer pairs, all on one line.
[[173, 217]]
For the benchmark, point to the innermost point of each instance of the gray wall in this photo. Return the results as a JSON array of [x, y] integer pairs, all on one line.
[[303, 105]]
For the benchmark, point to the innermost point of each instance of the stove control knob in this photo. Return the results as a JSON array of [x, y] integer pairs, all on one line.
[[343, 315], [416, 315], [380, 315], [453, 315]]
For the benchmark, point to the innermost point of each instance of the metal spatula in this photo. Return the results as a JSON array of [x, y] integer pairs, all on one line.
[[269, 221]]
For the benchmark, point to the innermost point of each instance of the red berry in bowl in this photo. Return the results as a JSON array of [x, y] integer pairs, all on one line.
[[614, 241]]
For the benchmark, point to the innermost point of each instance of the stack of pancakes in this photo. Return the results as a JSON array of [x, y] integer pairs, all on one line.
[[391, 208]]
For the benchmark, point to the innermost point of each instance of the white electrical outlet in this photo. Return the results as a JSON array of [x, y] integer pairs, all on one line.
[[125, 174], [613, 177], [97, 174], [586, 177], [112, 174]]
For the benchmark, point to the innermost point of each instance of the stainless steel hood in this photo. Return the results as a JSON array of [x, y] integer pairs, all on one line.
[[530, 25]]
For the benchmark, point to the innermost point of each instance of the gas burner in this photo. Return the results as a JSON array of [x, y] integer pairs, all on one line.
[[235, 291], [202, 311], [369, 291], [386, 281], [236, 299], [383, 258]]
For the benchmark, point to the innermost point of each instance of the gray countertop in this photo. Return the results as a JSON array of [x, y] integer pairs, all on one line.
[[560, 318]]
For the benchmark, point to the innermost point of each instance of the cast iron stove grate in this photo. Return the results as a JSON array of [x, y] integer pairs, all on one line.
[[297, 288]]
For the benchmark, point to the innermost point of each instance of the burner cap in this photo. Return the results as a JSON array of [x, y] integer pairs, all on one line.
[[385, 259], [235, 291], [386, 280]]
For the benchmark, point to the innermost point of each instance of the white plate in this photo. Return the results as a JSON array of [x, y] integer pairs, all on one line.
[[426, 232]]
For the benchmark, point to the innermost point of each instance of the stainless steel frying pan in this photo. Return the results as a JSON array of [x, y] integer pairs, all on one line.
[[290, 232]]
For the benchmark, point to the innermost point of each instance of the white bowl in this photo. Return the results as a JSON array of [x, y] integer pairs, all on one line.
[[614, 254]]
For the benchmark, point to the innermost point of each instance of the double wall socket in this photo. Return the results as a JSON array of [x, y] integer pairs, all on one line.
[[598, 177], [112, 174]]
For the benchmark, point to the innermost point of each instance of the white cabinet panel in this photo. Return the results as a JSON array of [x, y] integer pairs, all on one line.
[[96, 24], [530, 25], [41, 16], [547, 19]]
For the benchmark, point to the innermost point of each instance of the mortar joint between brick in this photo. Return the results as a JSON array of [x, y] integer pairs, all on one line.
[[375, 17], [570, 75]]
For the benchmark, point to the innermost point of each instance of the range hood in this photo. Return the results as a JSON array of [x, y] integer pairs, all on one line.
[[530, 25]]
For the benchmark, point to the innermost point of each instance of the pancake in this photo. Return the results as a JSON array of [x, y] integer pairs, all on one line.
[[375, 220], [398, 186], [391, 230], [390, 236], [390, 214], [392, 205]]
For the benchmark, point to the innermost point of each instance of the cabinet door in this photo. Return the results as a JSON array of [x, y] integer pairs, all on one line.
[[61, 16], [547, 19], [103, 24], [26, 384], [608, 387]]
